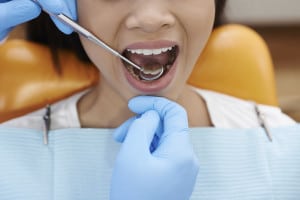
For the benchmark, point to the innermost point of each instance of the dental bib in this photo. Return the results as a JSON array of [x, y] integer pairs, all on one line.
[[77, 164]]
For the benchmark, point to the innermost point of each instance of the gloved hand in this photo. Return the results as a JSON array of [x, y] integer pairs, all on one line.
[[15, 12], [169, 170]]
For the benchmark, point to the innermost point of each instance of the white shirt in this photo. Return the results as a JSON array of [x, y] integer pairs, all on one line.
[[225, 112]]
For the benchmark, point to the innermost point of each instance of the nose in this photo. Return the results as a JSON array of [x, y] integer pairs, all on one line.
[[150, 16]]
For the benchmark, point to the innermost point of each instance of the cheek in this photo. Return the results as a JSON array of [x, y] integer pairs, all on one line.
[[101, 58], [109, 68], [98, 18], [202, 27], [92, 17], [197, 20]]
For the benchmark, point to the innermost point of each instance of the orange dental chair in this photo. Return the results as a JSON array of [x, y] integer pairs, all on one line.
[[236, 61]]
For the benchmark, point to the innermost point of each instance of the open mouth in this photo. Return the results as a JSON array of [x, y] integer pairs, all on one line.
[[155, 62]]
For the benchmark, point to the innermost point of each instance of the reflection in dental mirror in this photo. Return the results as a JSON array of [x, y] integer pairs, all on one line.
[[151, 76]]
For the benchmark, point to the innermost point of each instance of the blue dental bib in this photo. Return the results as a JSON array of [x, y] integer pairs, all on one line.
[[77, 164]]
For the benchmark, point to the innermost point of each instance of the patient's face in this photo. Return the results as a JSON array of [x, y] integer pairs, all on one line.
[[159, 34]]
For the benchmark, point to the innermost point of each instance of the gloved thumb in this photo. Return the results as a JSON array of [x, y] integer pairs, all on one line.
[[140, 133], [121, 132]]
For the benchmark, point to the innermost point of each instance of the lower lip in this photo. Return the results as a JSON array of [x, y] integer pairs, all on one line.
[[151, 87]]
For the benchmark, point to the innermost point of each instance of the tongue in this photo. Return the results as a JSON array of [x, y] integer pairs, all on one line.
[[151, 62]]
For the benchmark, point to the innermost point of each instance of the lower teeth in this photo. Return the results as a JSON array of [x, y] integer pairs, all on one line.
[[152, 73]]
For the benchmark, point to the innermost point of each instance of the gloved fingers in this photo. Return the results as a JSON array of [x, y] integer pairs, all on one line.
[[3, 35], [121, 132], [61, 26], [66, 7], [141, 132], [174, 138], [15, 12], [173, 115], [72, 6]]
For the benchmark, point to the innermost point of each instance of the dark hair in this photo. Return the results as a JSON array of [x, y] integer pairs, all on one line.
[[42, 30], [220, 6]]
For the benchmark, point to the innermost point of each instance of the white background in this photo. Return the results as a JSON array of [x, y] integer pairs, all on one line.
[[264, 12]]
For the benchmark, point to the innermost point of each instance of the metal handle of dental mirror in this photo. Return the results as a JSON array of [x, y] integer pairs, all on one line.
[[79, 29], [82, 31], [85, 33]]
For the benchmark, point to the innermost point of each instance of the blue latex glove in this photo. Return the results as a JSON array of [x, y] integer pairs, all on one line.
[[15, 12], [167, 173]]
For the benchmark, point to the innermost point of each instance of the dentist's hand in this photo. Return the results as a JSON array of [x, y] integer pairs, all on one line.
[[15, 12], [161, 169]]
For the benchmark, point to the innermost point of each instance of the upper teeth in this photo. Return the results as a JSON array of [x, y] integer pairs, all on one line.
[[148, 52]]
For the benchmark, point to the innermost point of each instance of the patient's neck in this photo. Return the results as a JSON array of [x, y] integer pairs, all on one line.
[[196, 108], [101, 108]]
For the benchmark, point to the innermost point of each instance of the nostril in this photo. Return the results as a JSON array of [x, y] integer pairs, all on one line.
[[150, 19]]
